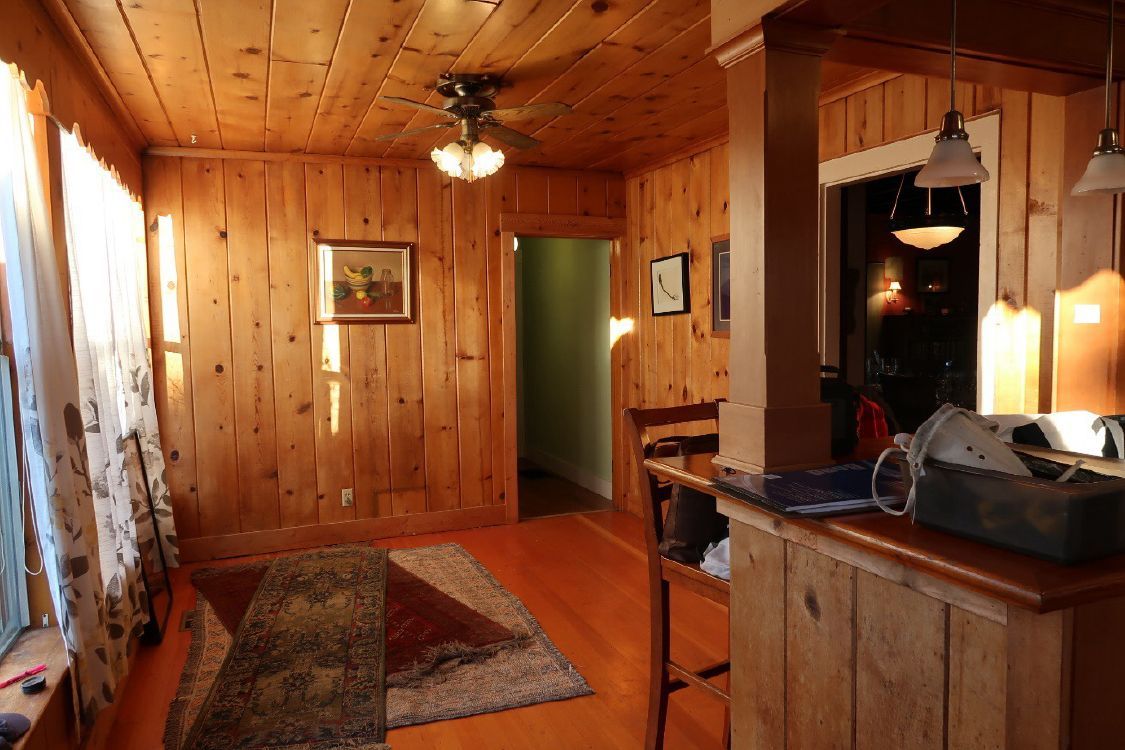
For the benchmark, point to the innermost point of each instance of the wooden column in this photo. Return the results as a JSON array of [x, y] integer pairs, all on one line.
[[774, 419]]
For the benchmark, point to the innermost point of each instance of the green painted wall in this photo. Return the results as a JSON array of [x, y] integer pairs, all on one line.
[[562, 293]]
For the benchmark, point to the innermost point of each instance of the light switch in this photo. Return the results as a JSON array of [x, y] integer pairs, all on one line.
[[1087, 314]]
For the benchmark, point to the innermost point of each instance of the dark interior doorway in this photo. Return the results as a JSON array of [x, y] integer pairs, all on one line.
[[916, 345]]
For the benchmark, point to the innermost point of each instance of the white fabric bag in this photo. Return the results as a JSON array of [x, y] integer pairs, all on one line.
[[951, 435], [717, 560], [1073, 431]]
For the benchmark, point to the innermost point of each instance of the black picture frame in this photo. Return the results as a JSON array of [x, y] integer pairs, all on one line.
[[665, 273], [720, 287], [933, 275]]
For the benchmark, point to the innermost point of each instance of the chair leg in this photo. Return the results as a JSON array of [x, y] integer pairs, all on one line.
[[658, 680], [726, 728]]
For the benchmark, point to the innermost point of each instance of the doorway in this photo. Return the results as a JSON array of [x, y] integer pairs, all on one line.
[[563, 376], [908, 317]]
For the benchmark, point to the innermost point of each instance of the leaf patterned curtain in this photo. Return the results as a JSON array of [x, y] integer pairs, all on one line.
[[54, 442], [106, 252]]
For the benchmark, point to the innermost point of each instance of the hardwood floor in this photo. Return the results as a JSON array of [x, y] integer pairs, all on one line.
[[544, 494], [583, 578]]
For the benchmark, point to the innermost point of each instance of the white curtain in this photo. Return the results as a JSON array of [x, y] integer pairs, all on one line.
[[54, 449], [106, 252]]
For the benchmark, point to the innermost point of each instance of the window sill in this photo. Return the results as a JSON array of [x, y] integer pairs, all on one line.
[[39, 646]]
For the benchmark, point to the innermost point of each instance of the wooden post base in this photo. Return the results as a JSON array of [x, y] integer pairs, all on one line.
[[766, 439]]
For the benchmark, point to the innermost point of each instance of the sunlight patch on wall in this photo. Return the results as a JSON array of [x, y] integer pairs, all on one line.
[[1009, 357], [618, 328], [169, 281]]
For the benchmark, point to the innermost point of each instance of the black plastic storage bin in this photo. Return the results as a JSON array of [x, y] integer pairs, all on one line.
[[1060, 521]]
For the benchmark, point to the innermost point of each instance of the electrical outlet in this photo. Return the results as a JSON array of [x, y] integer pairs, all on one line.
[[347, 497], [46, 620]]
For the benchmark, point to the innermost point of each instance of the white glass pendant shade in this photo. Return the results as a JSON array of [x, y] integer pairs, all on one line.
[[927, 238], [449, 159], [485, 161], [952, 164], [1105, 173]]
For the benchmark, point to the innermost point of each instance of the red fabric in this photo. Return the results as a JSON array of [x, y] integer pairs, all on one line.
[[870, 418]]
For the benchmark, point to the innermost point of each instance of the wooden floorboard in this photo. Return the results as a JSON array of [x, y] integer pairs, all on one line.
[[583, 578]]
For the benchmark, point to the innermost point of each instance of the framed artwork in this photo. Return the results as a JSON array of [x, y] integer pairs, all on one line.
[[363, 282], [933, 275], [720, 286], [671, 289]]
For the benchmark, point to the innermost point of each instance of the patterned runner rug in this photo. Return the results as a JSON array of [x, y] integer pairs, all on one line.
[[305, 669], [458, 643]]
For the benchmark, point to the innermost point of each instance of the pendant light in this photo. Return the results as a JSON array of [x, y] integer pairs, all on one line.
[[929, 229], [1106, 171], [952, 162]]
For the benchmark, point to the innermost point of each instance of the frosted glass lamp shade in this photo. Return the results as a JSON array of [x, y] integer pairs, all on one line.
[[1105, 173], [952, 164], [927, 238]]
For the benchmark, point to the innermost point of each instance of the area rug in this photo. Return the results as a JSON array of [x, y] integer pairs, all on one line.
[[458, 643], [305, 669]]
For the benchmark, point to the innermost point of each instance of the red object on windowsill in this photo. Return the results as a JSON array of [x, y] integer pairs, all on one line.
[[22, 675]]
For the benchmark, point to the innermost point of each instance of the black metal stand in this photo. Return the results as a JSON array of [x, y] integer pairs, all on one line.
[[155, 628]]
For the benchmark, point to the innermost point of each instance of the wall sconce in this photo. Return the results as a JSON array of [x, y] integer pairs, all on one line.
[[892, 292]]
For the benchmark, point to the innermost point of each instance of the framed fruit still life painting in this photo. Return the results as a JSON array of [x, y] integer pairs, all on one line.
[[363, 282]]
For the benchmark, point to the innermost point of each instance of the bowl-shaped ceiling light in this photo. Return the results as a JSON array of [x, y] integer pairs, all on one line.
[[1106, 171], [952, 162], [469, 161], [930, 228]]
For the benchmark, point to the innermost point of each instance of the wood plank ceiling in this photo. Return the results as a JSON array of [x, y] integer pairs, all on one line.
[[295, 75]]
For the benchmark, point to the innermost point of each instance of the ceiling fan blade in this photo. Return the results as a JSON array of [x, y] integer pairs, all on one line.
[[416, 105], [551, 109], [510, 137], [415, 131]]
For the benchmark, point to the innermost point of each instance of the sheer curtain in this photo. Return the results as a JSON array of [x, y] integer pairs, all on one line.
[[106, 252], [54, 441]]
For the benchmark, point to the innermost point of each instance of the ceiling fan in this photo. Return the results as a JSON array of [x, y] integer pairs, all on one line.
[[469, 104]]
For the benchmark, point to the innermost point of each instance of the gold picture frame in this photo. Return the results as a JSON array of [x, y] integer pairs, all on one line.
[[361, 281]]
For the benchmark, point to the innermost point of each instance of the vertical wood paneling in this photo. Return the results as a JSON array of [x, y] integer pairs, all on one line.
[[900, 666], [292, 349], [819, 648], [833, 129], [500, 194], [1037, 671], [252, 345], [324, 207], [758, 603], [1011, 267], [592, 195], [288, 414], [905, 101], [474, 399], [171, 360], [205, 248], [678, 240], [865, 119], [404, 358], [698, 203], [977, 682], [439, 352], [1043, 197], [367, 349], [562, 193]]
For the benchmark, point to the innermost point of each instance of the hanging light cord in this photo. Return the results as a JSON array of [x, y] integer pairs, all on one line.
[[953, 56], [1108, 66]]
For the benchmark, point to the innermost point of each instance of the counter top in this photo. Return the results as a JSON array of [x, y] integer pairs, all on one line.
[[1009, 577]]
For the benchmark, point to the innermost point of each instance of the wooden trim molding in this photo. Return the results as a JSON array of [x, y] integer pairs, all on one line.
[[347, 532], [777, 35], [279, 156], [558, 225]]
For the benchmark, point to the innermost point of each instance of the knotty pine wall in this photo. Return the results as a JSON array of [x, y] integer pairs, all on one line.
[[265, 416], [681, 206]]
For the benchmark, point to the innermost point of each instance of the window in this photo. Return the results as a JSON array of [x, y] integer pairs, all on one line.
[[13, 596]]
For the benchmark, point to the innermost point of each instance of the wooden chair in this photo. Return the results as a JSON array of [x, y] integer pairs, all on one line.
[[666, 675]]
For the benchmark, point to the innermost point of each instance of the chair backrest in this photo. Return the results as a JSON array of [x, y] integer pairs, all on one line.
[[654, 492]]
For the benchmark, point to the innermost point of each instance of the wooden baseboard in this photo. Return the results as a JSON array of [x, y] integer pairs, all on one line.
[[297, 537]]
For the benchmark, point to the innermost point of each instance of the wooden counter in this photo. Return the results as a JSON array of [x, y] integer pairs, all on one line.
[[868, 631]]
